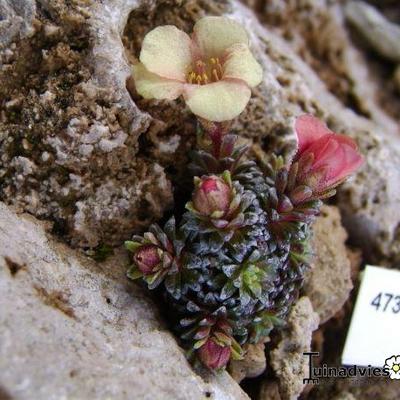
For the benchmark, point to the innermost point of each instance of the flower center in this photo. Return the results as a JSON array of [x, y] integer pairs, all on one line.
[[205, 72], [396, 367]]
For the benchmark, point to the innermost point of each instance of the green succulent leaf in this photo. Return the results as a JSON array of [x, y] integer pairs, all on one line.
[[222, 339], [132, 246], [230, 269], [173, 285], [199, 343], [227, 291], [155, 279], [134, 273]]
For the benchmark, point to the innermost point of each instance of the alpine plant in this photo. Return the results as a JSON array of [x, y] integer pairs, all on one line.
[[232, 265]]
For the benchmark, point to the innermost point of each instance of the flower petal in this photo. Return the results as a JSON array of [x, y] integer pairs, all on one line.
[[308, 130], [166, 51], [324, 158], [346, 161], [346, 140], [215, 34], [152, 86], [324, 150], [219, 101], [390, 361], [240, 64]]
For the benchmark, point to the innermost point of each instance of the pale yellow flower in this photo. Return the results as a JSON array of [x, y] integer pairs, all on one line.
[[213, 70]]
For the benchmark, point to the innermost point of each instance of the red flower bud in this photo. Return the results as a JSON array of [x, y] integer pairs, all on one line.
[[147, 258], [325, 157], [213, 355], [212, 194]]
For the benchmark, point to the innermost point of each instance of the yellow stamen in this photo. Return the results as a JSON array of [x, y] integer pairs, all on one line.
[[206, 72]]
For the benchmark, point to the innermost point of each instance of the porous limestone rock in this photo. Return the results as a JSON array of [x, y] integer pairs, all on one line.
[[328, 282], [74, 329], [381, 34], [316, 30], [253, 364], [68, 112], [287, 360]]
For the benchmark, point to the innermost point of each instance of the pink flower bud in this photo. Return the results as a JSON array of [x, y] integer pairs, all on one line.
[[147, 258], [211, 195], [325, 158], [213, 355]]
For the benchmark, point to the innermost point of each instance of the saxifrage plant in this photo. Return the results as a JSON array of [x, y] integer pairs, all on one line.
[[232, 266]]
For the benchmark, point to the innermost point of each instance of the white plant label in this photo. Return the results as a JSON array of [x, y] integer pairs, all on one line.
[[374, 333]]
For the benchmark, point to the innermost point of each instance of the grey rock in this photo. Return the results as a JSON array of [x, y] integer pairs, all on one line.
[[287, 360], [382, 35], [16, 20], [71, 328], [328, 282]]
